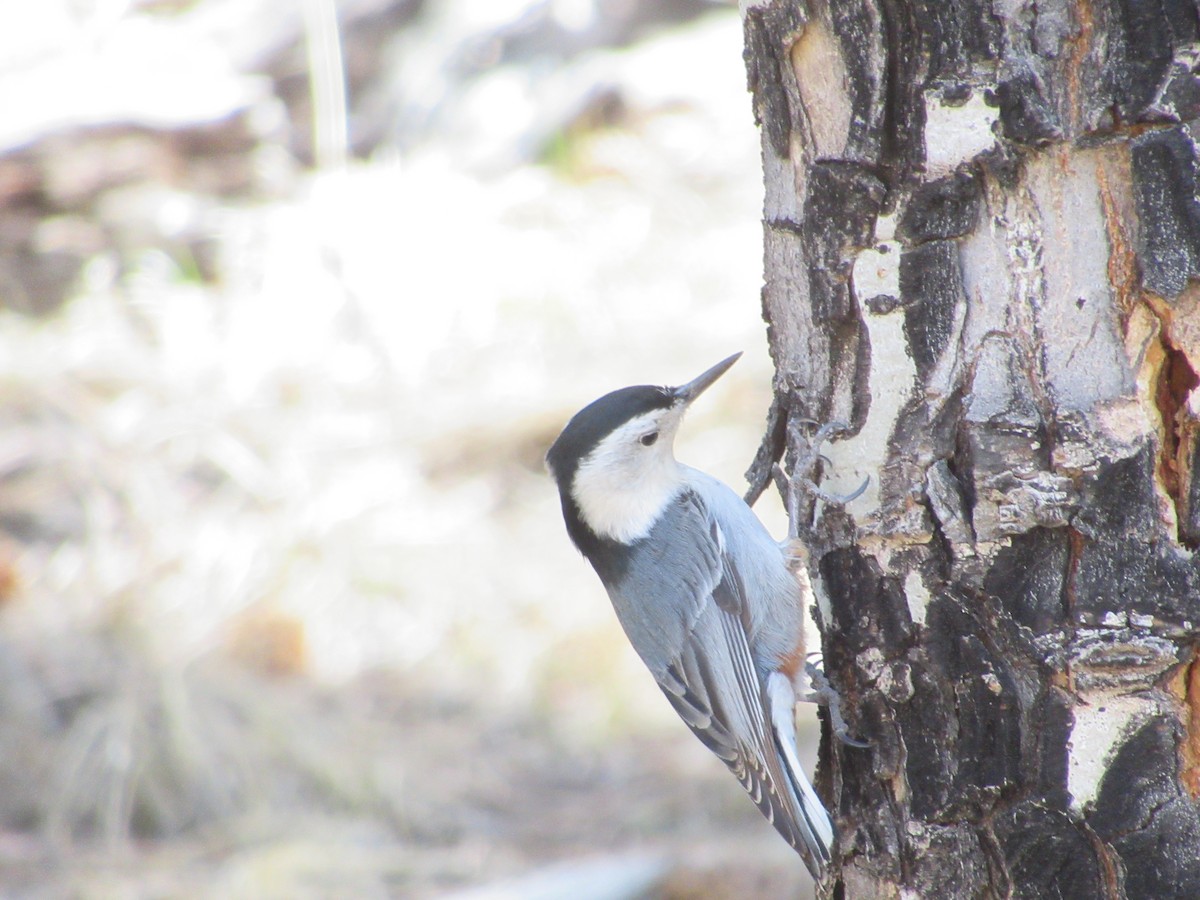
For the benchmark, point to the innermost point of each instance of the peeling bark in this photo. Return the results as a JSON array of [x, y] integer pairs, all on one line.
[[982, 251]]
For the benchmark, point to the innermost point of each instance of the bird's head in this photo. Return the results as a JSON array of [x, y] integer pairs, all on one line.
[[615, 463]]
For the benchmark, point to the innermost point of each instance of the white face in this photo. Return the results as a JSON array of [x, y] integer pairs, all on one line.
[[623, 485]]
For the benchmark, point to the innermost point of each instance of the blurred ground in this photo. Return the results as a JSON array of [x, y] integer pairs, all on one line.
[[286, 605]]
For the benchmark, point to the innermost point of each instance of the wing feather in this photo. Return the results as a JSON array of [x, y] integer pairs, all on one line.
[[707, 670]]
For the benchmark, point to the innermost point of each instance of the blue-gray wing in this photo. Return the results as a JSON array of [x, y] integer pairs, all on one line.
[[682, 603]]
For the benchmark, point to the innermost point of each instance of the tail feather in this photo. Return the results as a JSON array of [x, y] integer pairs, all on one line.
[[812, 821]]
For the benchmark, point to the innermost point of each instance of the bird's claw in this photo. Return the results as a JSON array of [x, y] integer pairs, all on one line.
[[823, 693], [844, 737], [837, 499], [814, 455], [801, 482]]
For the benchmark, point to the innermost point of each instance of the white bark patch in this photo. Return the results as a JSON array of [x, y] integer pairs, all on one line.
[[870, 662], [877, 271], [1100, 726], [1044, 248], [893, 377], [1124, 421], [824, 92], [895, 682], [824, 609], [1113, 667], [983, 255], [917, 595], [956, 134], [1084, 355], [785, 190]]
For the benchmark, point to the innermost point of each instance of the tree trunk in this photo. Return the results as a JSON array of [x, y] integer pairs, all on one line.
[[982, 246]]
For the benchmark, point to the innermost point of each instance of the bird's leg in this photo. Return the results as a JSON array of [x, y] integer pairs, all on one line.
[[824, 694], [792, 489], [791, 500]]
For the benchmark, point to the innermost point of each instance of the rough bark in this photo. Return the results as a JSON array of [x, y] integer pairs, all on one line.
[[982, 252]]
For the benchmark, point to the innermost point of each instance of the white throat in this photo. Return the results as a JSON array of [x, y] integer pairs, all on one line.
[[623, 488]]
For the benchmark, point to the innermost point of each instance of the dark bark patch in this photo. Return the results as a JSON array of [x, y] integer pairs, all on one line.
[[1189, 526], [1028, 577], [1134, 577], [1164, 183], [1141, 810], [930, 878], [860, 36], [881, 304], [1183, 21], [770, 450], [1047, 854], [1139, 56], [957, 34], [1181, 98], [1131, 576], [843, 201], [903, 122], [886, 758], [931, 289], [869, 610], [945, 208], [989, 724], [966, 763], [1118, 500], [1052, 723], [1026, 116], [930, 734], [765, 44]]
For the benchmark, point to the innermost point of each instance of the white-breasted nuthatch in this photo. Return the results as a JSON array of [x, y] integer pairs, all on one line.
[[703, 592]]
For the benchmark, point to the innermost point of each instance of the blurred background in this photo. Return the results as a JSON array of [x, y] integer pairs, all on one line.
[[293, 298]]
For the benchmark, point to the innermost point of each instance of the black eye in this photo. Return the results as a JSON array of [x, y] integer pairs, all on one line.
[[648, 439]]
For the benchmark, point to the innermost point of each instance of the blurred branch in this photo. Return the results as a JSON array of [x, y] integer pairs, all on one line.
[[327, 83]]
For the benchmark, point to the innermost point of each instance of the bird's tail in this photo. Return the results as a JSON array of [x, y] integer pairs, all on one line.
[[811, 822]]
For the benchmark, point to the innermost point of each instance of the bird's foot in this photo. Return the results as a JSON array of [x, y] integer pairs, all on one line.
[[801, 481], [809, 460], [824, 694]]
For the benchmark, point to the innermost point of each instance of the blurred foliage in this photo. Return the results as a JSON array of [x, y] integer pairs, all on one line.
[[286, 609]]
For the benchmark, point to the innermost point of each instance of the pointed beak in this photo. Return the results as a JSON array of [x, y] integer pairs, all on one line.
[[697, 386]]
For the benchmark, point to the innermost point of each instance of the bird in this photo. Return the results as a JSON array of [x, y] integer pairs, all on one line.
[[703, 592]]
